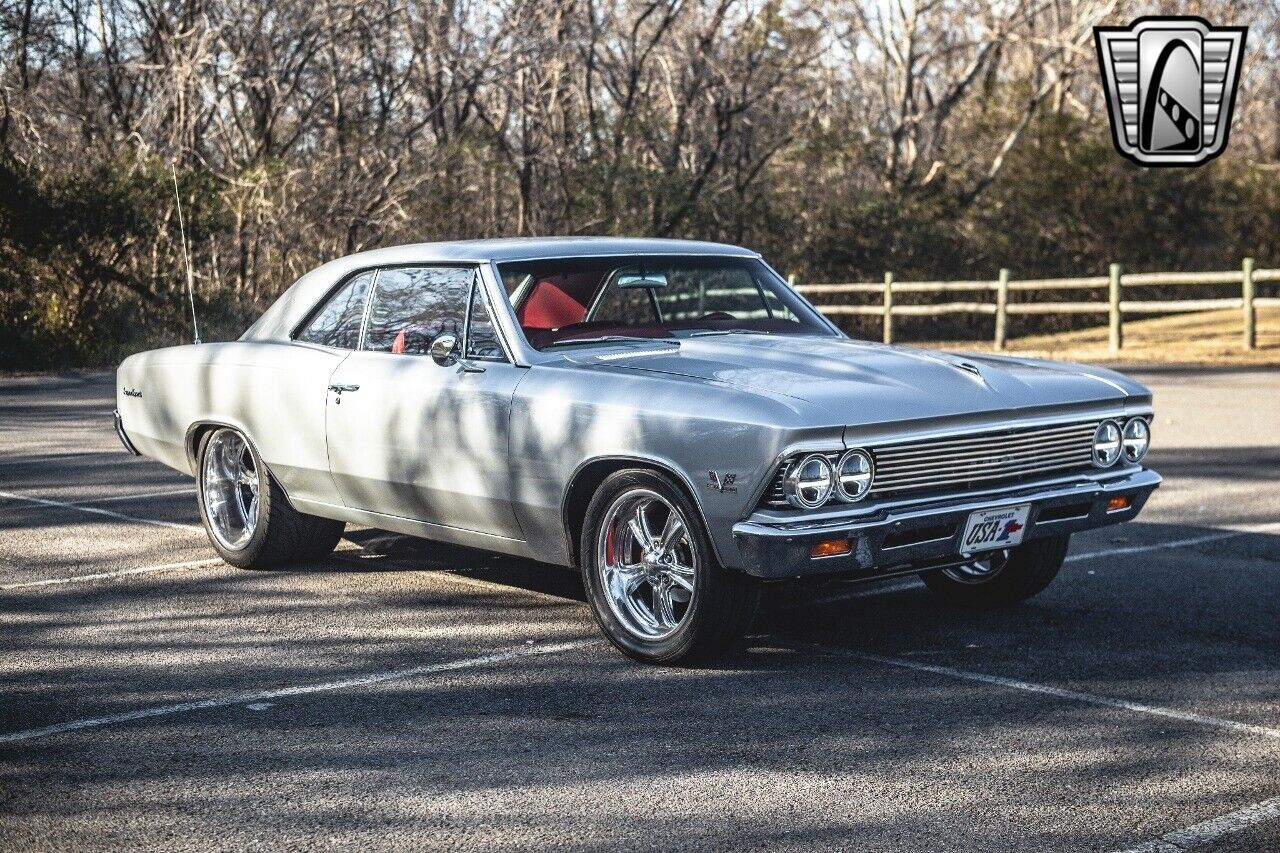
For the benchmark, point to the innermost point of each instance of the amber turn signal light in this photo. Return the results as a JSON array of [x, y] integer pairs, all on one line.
[[1117, 504], [831, 548]]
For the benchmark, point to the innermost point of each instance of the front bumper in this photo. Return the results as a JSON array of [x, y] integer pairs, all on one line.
[[926, 534]]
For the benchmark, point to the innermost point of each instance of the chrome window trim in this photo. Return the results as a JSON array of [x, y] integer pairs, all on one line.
[[320, 305], [528, 354], [477, 287]]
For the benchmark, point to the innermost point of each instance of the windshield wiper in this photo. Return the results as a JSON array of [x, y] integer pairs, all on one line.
[[608, 339], [709, 332]]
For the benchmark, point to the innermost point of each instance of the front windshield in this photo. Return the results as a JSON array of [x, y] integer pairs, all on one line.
[[650, 296]]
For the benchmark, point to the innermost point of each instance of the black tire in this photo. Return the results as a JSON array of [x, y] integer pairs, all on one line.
[[1030, 568], [282, 535], [723, 603]]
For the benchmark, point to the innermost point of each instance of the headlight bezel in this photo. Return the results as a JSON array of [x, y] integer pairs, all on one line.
[[794, 485], [1125, 439], [869, 473], [1102, 461]]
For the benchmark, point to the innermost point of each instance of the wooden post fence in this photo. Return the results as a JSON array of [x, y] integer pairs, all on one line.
[[1002, 309], [888, 308], [1246, 296], [1116, 324], [1115, 306]]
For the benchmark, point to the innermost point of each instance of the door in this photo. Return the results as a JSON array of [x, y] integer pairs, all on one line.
[[413, 438]]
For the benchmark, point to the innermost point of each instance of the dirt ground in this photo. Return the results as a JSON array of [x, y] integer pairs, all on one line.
[[1208, 337]]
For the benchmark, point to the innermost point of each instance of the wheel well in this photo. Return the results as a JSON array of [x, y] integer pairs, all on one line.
[[588, 480], [194, 436]]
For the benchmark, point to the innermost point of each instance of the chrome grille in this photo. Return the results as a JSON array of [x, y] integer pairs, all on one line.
[[959, 462]]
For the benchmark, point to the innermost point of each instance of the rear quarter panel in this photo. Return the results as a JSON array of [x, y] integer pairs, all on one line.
[[275, 393]]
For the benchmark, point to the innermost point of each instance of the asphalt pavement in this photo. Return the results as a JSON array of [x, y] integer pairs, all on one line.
[[409, 695]]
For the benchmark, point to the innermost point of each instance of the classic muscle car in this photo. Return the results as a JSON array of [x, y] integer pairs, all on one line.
[[669, 417]]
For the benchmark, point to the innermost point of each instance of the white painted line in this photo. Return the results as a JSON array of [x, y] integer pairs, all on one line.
[[1177, 543], [47, 458], [190, 490], [98, 576], [453, 577], [297, 690], [1211, 830], [172, 525], [853, 594], [466, 580], [1061, 693]]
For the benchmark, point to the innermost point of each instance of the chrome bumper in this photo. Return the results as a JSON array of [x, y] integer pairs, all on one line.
[[927, 535], [124, 436]]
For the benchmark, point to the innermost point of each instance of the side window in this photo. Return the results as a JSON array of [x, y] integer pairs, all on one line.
[[411, 307], [482, 337], [338, 323]]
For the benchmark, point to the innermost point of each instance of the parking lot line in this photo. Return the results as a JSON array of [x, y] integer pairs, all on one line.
[[296, 690], [1209, 831], [172, 525], [853, 594], [96, 576], [1047, 690], [1246, 530], [190, 490], [53, 457]]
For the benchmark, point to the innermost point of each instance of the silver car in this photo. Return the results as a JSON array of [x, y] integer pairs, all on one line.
[[668, 416]]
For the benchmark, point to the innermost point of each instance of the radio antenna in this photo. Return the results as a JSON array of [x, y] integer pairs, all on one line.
[[186, 256]]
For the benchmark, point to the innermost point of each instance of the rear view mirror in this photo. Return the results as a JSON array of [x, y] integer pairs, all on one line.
[[635, 279]]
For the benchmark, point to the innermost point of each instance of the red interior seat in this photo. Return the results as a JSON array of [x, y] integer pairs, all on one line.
[[549, 306]]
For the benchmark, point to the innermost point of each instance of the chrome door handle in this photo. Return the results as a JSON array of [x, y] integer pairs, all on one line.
[[341, 388]]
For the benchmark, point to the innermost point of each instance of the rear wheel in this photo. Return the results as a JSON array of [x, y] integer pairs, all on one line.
[[245, 512], [1001, 578], [651, 577]]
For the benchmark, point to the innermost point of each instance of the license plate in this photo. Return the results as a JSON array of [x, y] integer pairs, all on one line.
[[995, 528]]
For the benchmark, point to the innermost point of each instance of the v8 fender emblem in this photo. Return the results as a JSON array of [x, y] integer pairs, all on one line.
[[722, 482]]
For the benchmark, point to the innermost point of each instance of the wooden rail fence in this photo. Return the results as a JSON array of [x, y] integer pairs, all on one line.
[[1115, 307]]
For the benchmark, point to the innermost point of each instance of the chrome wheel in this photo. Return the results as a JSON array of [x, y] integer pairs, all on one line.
[[980, 569], [647, 562], [230, 482]]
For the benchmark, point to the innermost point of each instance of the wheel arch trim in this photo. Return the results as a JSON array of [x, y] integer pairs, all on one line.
[[620, 462], [199, 428]]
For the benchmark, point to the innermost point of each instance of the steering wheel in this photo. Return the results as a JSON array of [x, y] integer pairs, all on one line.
[[717, 315]]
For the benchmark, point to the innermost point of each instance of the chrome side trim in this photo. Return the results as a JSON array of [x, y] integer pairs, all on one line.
[[123, 436]]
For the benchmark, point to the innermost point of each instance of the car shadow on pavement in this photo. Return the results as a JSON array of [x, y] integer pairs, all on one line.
[[787, 718]]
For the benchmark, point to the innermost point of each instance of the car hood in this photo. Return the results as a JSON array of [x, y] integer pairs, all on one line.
[[861, 382]]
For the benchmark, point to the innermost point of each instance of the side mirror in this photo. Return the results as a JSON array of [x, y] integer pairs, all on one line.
[[444, 350]]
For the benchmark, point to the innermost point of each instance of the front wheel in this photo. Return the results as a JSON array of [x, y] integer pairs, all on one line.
[[1001, 578], [250, 522], [651, 577]]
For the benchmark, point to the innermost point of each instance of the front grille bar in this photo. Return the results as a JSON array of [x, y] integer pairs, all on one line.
[[1011, 455]]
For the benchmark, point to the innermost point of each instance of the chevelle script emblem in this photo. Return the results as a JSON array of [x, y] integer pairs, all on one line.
[[132, 392]]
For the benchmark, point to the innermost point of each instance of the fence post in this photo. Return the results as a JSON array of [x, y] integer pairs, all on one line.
[[1250, 316], [1117, 323], [888, 308], [1002, 308], [791, 279]]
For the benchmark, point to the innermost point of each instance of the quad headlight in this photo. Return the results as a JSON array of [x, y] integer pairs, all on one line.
[[1106, 444], [809, 481], [1137, 438], [853, 476], [819, 478]]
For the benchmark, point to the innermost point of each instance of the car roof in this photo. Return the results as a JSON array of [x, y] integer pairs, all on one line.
[[534, 248], [297, 302]]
